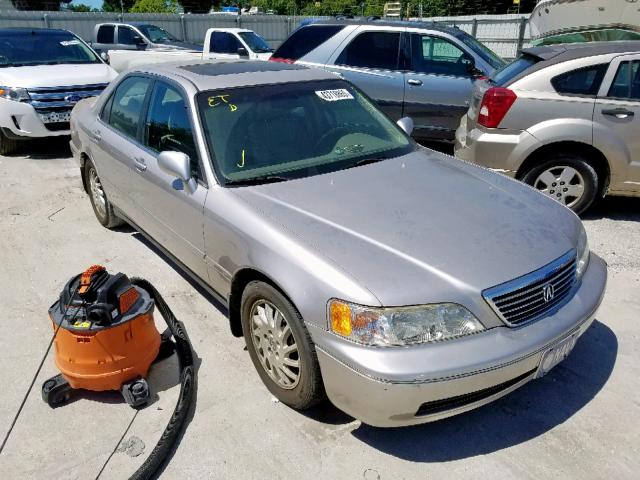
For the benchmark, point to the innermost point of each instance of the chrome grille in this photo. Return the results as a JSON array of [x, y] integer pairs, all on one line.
[[529, 297], [48, 99]]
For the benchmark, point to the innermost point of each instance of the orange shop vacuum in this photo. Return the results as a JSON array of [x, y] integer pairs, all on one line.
[[105, 337]]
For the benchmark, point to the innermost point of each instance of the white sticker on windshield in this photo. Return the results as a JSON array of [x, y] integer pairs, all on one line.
[[66, 43], [334, 95]]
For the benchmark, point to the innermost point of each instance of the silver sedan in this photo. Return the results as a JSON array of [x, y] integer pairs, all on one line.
[[403, 284]]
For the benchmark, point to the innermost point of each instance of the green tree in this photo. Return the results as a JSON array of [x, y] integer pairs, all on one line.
[[114, 5], [154, 6], [81, 7]]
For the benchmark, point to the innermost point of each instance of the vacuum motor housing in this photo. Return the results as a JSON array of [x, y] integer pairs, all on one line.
[[107, 336]]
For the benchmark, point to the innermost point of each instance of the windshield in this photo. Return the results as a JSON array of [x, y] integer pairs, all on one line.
[[255, 42], [603, 35], [19, 48], [294, 130], [485, 52], [156, 34]]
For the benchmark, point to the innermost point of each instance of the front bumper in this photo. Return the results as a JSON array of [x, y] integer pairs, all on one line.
[[389, 387], [20, 120], [498, 149]]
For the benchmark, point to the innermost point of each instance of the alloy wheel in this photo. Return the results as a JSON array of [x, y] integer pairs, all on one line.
[[562, 183], [275, 345], [97, 193]]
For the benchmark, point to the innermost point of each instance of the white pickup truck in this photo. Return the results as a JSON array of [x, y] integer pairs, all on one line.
[[43, 74], [219, 43]]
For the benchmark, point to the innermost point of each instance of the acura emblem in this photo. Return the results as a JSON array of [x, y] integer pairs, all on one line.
[[72, 98], [548, 292]]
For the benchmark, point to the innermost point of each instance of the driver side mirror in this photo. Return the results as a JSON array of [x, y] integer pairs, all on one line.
[[473, 71], [243, 52], [105, 57], [139, 42], [178, 164], [406, 124]]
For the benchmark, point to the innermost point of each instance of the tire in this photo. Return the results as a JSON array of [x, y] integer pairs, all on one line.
[[102, 208], [7, 145], [567, 178], [307, 389]]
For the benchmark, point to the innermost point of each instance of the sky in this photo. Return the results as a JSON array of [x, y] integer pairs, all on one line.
[[91, 3]]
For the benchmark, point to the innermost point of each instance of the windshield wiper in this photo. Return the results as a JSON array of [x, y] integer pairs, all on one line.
[[258, 180], [367, 161]]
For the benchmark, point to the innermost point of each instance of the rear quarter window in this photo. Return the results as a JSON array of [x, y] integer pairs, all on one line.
[[305, 39], [582, 81]]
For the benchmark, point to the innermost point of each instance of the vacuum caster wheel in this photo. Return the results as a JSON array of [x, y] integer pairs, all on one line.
[[136, 392], [56, 391]]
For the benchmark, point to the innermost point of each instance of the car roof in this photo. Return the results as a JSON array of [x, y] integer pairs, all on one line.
[[549, 55], [40, 31], [236, 73], [390, 23], [562, 52]]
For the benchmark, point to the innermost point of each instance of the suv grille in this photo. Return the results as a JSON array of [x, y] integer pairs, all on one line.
[[55, 98], [529, 297]]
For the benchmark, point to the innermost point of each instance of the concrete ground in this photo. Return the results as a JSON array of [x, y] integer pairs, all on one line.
[[580, 421]]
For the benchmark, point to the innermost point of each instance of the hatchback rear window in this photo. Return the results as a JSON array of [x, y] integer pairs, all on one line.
[[305, 39], [582, 81], [511, 70]]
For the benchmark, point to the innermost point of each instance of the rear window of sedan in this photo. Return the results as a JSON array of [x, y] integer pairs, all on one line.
[[511, 70]]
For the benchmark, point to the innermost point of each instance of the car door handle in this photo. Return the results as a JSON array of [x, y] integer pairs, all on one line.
[[618, 112], [415, 82], [140, 165], [95, 136]]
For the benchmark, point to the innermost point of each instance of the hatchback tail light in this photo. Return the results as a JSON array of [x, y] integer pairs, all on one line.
[[494, 106], [281, 60]]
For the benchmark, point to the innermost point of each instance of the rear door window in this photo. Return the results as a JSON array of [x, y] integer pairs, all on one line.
[[127, 103], [435, 55], [106, 34], [376, 50], [582, 81], [626, 83], [222, 42], [304, 40]]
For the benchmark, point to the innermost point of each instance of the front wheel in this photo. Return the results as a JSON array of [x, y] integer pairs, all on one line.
[[567, 178], [280, 346]]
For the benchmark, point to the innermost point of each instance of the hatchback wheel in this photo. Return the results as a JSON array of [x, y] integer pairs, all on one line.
[[567, 178], [280, 346], [99, 201]]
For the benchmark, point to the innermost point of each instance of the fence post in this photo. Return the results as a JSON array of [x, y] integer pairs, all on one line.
[[183, 27], [523, 26], [474, 27], [46, 20]]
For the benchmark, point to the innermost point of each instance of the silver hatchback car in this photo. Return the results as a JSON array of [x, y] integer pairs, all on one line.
[[564, 119], [334, 240]]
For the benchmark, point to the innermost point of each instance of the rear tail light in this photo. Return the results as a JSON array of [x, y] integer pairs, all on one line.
[[281, 60], [494, 106]]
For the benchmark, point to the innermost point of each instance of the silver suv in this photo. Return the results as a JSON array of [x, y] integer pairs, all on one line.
[[421, 70], [562, 119]]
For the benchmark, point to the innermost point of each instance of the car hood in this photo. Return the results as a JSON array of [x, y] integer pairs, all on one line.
[[413, 227], [56, 75]]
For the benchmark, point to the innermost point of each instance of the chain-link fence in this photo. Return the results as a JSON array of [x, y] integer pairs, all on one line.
[[504, 34]]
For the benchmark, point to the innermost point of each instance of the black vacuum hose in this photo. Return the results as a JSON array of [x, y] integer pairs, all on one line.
[[170, 435]]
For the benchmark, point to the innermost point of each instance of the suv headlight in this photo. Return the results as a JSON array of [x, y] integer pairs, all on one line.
[[582, 253], [401, 325], [14, 93]]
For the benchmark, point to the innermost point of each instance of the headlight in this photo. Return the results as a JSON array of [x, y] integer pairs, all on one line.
[[14, 93], [401, 325], [582, 253]]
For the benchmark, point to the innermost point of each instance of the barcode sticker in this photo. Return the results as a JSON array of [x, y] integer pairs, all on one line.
[[334, 95], [67, 43]]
